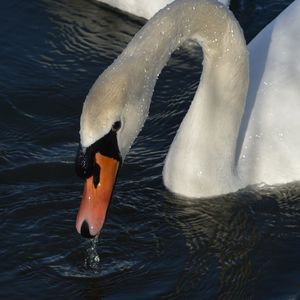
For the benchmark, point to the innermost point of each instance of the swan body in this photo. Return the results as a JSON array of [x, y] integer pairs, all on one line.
[[267, 149], [142, 8], [230, 137], [271, 125]]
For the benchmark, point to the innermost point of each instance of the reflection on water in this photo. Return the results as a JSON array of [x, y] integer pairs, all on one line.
[[243, 237], [154, 245], [230, 247]]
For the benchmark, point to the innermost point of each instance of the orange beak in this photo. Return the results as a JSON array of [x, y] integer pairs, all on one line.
[[96, 197]]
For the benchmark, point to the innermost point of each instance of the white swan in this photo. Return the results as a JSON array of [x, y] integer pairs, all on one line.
[[142, 8], [227, 139]]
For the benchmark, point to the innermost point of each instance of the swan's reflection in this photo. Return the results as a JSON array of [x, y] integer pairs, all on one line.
[[238, 244]]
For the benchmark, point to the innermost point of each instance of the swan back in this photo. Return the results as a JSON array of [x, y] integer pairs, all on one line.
[[271, 124], [142, 8]]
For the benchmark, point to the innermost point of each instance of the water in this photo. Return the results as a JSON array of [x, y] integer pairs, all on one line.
[[154, 245]]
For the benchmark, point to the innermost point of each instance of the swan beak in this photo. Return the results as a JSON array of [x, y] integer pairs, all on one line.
[[96, 197]]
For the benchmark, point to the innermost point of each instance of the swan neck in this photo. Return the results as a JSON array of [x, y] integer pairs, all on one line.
[[206, 141], [224, 81], [203, 21]]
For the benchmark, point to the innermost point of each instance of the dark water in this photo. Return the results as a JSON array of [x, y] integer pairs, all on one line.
[[153, 246]]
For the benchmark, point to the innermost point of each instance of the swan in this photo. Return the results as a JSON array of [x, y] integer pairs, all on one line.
[[142, 8], [229, 138]]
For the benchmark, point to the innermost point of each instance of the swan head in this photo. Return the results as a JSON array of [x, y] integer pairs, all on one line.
[[110, 121]]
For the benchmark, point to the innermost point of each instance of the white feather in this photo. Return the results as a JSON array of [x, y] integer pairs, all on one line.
[[142, 8], [228, 139]]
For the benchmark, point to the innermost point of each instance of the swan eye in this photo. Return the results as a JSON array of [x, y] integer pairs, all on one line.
[[116, 126], [85, 164]]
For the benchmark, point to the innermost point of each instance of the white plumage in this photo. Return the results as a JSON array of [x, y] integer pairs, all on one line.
[[230, 137], [142, 8]]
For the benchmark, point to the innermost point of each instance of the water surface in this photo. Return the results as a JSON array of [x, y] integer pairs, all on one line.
[[153, 246]]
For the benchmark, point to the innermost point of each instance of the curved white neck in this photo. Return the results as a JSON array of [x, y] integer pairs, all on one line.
[[205, 144]]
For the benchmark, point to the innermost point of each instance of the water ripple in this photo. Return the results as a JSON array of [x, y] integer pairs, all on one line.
[[153, 245]]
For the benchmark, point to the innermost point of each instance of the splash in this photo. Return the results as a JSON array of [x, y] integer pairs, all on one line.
[[92, 260]]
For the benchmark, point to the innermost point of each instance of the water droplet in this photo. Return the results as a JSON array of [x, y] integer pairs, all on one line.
[[92, 260]]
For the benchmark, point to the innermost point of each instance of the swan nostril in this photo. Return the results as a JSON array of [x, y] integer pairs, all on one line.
[[85, 231]]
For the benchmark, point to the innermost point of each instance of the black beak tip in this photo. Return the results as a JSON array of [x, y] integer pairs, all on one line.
[[85, 232]]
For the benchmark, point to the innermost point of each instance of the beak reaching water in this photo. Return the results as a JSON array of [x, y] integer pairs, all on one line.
[[96, 197]]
